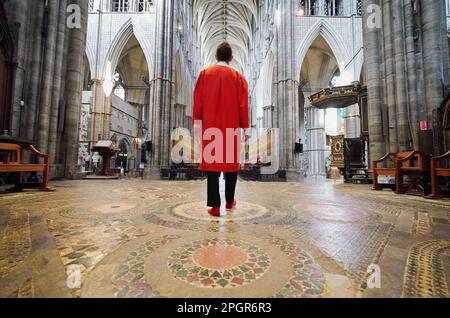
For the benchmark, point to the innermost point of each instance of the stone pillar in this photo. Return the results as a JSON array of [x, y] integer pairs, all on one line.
[[162, 89], [47, 74], [404, 136], [373, 59], [435, 52], [34, 70], [57, 81], [352, 122], [389, 62], [74, 85], [101, 111], [315, 136], [287, 91], [412, 73], [19, 20]]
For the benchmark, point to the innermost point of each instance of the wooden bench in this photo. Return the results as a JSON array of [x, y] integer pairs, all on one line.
[[412, 163], [11, 161], [437, 172]]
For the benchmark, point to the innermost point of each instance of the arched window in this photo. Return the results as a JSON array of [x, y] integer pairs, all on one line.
[[309, 7], [91, 5], [334, 7], [358, 8], [145, 5], [120, 5]]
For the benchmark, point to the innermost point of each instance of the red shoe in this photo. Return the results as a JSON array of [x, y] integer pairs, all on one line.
[[231, 206], [214, 212]]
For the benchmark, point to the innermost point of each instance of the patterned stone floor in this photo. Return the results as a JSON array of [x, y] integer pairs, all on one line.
[[134, 238]]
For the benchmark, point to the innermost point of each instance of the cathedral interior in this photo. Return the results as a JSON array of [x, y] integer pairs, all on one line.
[[345, 190]]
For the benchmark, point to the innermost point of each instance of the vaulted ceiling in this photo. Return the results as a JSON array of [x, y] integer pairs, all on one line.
[[225, 20]]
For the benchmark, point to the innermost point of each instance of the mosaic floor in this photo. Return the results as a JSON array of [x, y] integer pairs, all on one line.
[[134, 238]]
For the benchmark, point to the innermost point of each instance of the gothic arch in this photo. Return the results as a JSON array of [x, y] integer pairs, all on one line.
[[91, 59], [120, 41], [359, 66], [269, 75], [323, 28], [144, 42], [118, 44]]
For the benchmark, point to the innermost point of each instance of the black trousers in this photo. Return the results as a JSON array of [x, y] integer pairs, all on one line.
[[213, 188]]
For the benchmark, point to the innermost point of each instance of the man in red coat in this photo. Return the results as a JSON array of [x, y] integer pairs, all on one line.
[[221, 104]]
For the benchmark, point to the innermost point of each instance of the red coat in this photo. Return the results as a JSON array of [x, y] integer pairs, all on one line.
[[221, 101]]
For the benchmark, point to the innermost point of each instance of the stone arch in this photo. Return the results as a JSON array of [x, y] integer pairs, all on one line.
[[125, 145], [87, 65], [361, 74], [145, 44], [118, 44], [268, 76], [91, 59], [264, 89], [359, 68], [324, 29], [120, 41]]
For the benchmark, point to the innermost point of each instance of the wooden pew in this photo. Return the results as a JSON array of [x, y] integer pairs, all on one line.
[[11, 161], [385, 171], [415, 165], [437, 172], [412, 163]]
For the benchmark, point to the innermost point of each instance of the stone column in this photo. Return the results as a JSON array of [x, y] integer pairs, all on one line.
[[19, 22], [47, 74], [101, 111], [315, 136], [287, 91], [74, 84], [389, 64], [58, 82], [162, 89], [404, 136], [412, 73], [373, 59], [435, 52], [34, 70], [352, 122]]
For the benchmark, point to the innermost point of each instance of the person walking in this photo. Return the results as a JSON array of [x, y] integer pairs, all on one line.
[[221, 105]]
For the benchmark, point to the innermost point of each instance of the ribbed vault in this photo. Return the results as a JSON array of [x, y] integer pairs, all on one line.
[[220, 20]]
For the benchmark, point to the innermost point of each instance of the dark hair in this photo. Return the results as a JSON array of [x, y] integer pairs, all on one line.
[[224, 52]]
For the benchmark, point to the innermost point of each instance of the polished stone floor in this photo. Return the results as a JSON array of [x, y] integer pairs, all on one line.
[[134, 238]]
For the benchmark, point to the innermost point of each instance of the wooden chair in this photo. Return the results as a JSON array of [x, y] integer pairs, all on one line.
[[412, 163], [11, 161], [437, 172], [385, 171], [416, 166]]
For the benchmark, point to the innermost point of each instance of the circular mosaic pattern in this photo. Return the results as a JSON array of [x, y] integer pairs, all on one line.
[[218, 263], [335, 213], [305, 280], [198, 211], [114, 207], [137, 189]]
